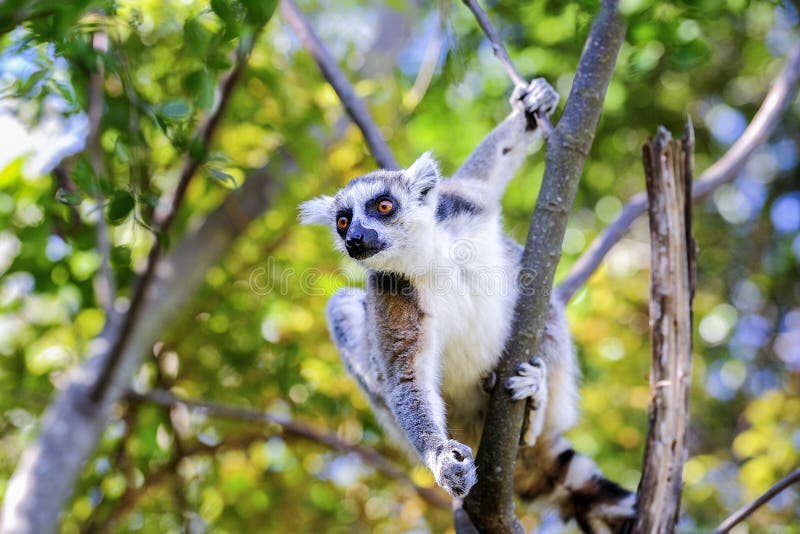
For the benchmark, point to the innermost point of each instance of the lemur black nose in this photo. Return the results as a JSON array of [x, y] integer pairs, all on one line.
[[355, 239]]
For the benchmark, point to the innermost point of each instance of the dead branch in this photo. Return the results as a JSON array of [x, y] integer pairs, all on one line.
[[668, 170]]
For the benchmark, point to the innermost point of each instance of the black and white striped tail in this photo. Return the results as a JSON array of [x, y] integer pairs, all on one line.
[[571, 481]]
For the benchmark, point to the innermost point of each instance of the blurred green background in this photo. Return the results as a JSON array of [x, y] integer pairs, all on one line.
[[431, 82]]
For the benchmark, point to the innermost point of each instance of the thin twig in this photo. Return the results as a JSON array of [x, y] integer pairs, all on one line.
[[354, 106], [164, 222], [542, 121], [742, 513], [723, 170], [297, 429], [105, 286]]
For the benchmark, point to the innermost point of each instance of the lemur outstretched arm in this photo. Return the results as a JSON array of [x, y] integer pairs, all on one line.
[[410, 359], [500, 154]]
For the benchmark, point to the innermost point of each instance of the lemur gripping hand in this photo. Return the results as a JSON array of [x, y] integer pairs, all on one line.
[[454, 468], [536, 97]]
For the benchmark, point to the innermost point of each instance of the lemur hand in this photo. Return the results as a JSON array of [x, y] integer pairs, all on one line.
[[538, 96], [454, 468]]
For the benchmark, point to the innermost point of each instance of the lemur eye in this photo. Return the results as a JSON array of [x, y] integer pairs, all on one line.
[[342, 222], [385, 206]]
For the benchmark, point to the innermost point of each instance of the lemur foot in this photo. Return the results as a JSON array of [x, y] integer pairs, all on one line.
[[537, 96], [530, 382], [454, 469]]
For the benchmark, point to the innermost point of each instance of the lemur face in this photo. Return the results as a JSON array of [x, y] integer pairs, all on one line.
[[380, 217]]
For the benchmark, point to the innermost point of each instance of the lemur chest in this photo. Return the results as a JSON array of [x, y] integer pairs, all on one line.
[[470, 312]]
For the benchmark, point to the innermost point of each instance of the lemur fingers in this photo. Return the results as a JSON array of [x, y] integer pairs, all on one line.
[[537, 96], [529, 381]]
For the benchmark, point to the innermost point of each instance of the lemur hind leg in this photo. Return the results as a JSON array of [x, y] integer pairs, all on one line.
[[554, 471]]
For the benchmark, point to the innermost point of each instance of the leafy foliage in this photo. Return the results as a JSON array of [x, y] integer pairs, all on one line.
[[255, 334]]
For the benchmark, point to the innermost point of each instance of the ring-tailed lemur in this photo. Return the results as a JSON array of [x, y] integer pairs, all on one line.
[[429, 329]]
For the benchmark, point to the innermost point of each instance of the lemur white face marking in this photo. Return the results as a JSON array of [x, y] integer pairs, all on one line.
[[383, 218]]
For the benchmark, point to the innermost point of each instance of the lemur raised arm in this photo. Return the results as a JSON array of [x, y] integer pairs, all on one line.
[[425, 336]]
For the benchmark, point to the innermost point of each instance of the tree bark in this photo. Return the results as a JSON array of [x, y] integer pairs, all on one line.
[[668, 171], [490, 504]]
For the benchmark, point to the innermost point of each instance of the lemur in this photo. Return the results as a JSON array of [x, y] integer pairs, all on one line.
[[425, 336]]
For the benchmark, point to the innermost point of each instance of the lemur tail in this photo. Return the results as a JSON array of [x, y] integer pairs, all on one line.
[[571, 481]]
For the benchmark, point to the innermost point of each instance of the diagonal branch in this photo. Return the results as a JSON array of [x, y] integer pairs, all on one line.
[[542, 121], [352, 103], [490, 503], [299, 430], [163, 223], [725, 169], [745, 511]]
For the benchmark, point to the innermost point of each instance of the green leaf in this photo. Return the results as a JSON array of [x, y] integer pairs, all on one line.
[[222, 177], [70, 198], [84, 177], [259, 11], [32, 80], [195, 37], [201, 86], [119, 206], [175, 110]]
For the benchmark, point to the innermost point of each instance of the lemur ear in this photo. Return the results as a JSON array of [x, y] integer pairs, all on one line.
[[423, 175], [317, 211]]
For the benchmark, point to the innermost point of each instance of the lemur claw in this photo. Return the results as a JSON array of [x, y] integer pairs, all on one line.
[[454, 468]]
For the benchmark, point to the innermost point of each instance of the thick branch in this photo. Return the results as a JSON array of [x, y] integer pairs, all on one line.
[[542, 121], [745, 511], [72, 424], [193, 160], [352, 103], [490, 503], [668, 170], [301, 430], [725, 169]]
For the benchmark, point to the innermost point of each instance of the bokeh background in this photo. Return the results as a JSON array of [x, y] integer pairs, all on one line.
[[431, 82]]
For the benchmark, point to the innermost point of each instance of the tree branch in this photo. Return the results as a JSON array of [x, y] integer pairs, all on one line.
[[105, 287], [723, 170], [72, 424], [194, 159], [668, 171], [542, 121], [354, 106], [301, 430], [490, 503], [745, 511]]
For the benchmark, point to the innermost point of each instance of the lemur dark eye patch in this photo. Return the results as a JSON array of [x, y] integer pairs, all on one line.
[[383, 205]]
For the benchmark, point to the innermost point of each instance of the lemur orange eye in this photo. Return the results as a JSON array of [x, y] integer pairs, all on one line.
[[385, 206], [342, 222]]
